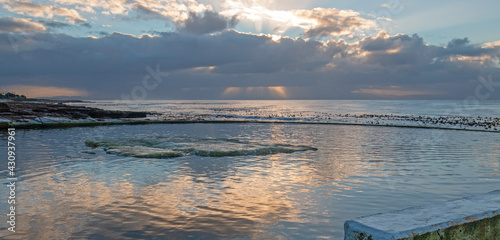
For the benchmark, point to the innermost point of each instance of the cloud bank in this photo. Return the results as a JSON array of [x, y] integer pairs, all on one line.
[[213, 66], [196, 42]]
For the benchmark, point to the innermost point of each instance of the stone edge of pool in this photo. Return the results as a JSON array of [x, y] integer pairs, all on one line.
[[472, 217]]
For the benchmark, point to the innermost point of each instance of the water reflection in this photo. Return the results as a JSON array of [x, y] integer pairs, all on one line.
[[68, 194]]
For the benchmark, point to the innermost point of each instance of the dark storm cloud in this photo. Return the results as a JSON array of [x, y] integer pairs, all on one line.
[[206, 22], [203, 66], [262, 55], [120, 53]]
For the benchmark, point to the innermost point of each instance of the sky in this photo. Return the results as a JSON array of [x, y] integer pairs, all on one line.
[[251, 49]]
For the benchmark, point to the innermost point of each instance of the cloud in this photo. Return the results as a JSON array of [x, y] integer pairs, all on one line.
[[411, 51], [256, 13], [85, 24], [88, 9], [13, 25], [318, 22], [400, 49], [111, 6], [231, 64], [55, 24], [464, 47], [230, 52], [176, 10], [103, 33], [44, 11], [207, 22], [145, 12], [334, 22], [492, 44], [190, 16]]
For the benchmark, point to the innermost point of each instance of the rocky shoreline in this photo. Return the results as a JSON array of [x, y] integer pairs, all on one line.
[[41, 112]]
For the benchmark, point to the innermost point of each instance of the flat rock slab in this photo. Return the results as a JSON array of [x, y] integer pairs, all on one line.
[[474, 217], [19, 111]]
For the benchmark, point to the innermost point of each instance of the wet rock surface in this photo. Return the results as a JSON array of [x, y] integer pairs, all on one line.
[[23, 111], [172, 147]]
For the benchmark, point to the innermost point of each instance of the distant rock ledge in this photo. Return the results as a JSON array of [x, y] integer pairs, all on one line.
[[28, 114]]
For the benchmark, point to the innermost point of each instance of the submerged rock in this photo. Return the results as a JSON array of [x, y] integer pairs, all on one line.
[[172, 147], [88, 152]]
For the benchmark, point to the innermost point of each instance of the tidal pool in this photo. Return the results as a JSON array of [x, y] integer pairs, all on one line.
[[323, 175]]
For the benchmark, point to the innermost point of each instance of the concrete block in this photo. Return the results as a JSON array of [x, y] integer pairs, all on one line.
[[473, 217]]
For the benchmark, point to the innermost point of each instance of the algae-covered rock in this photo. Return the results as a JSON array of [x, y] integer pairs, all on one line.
[[91, 144], [172, 147]]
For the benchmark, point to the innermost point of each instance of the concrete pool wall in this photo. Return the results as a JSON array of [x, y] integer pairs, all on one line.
[[473, 217]]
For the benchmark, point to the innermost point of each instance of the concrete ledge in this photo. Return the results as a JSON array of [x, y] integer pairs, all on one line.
[[474, 217]]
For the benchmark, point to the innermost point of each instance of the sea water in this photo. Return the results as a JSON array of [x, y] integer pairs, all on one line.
[[470, 115], [96, 182]]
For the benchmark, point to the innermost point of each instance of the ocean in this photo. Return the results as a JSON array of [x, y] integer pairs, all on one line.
[[248, 169]]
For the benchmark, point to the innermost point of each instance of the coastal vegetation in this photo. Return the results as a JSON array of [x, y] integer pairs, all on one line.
[[9, 95]]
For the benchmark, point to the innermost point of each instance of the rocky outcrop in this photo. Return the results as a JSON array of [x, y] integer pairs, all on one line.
[[22, 111]]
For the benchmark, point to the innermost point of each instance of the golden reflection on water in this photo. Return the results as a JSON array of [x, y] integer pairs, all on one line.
[[108, 197], [253, 198], [240, 204]]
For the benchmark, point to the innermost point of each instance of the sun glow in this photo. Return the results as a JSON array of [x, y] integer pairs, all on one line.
[[395, 91], [279, 92], [255, 12], [210, 68], [39, 91]]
